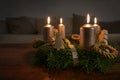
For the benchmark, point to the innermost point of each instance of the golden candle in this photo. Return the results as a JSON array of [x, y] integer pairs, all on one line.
[[61, 28], [87, 34], [97, 27], [48, 31]]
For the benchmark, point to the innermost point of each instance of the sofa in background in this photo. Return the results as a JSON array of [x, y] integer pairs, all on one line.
[[26, 29]]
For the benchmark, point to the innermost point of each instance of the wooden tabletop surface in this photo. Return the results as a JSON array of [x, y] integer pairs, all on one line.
[[15, 64]]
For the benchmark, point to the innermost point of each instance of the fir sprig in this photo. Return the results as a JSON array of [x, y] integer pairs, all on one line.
[[89, 60]]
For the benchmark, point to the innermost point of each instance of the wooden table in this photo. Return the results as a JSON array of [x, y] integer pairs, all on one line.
[[16, 64]]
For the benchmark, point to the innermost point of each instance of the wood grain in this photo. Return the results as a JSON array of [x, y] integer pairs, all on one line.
[[16, 64]]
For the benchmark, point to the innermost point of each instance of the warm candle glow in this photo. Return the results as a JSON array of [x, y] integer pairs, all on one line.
[[48, 20], [61, 20], [61, 28], [88, 18], [95, 20], [88, 21]]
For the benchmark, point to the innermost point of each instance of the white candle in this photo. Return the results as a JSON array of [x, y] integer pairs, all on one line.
[[48, 31], [87, 34], [97, 27], [61, 28]]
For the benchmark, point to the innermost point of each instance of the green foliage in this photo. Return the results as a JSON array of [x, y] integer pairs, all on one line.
[[60, 59], [115, 44], [89, 60], [42, 55], [37, 44]]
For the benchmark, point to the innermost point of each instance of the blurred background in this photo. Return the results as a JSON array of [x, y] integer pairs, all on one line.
[[105, 10]]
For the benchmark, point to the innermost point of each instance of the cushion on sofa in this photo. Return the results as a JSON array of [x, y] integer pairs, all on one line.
[[67, 21], [55, 21], [111, 26], [79, 21], [33, 22], [41, 22], [20, 25], [3, 27]]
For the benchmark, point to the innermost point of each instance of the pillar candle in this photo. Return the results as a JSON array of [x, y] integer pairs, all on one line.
[[97, 27], [61, 28], [87, 35], [48, 31]]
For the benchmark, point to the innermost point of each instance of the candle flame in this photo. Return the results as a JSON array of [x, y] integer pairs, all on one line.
[[61, 20], [48, 20], [95, 20], [88, 18]]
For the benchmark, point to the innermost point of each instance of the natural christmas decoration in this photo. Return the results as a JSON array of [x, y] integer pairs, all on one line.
[[103, 47], [67, 53], [89, 51]]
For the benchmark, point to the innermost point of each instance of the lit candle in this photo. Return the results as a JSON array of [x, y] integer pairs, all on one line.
[[48, 31], [61, 28], [97, 27], [87, 34]]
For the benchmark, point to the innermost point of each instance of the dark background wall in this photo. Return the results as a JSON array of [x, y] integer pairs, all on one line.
[[105, 10]]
